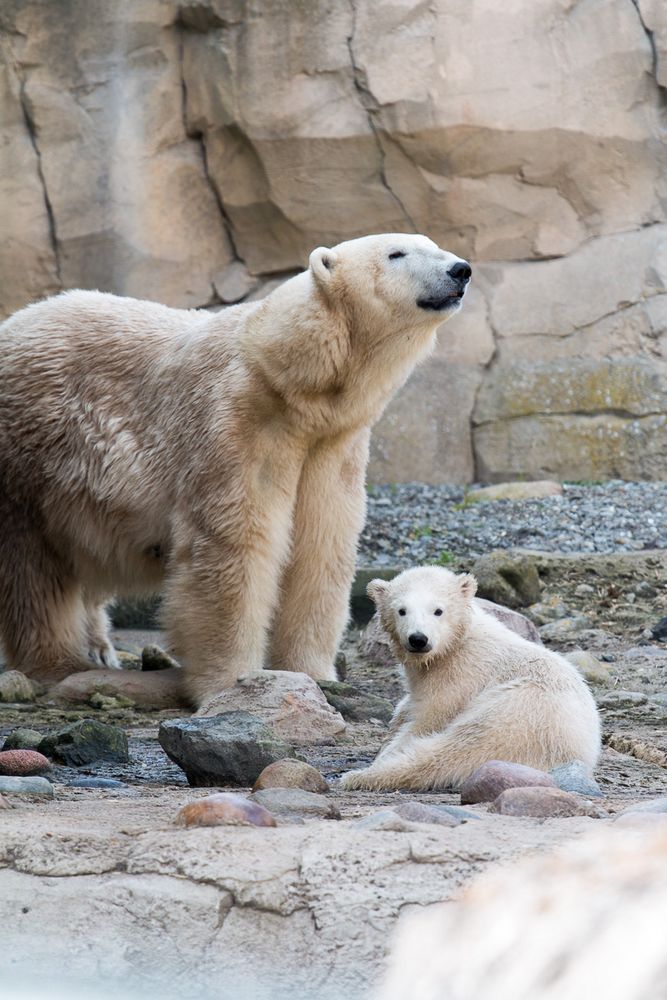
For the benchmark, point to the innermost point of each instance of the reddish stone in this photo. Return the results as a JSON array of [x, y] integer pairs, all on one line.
[[543, 802], [22, 763], [224, 809], [488, 781]]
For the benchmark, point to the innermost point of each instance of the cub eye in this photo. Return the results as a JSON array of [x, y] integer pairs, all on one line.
[[438, 612], [401, 611], [396, 254]]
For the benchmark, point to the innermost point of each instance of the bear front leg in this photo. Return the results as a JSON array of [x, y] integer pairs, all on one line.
[[315, 593], [222, 589]]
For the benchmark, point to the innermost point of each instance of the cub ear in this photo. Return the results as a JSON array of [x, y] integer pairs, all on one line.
[[468, 585], [322, 263], [375, 590]]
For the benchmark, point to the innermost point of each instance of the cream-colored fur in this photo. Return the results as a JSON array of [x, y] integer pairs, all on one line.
[[477, 692], [218, 456]]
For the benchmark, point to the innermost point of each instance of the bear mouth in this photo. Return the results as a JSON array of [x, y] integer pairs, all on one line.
[[441, 303]]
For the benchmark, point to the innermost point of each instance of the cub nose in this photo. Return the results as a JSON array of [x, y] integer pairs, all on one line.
[[417, 641], [460, 271]]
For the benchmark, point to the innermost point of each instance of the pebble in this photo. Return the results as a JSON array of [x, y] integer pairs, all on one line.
[[232, 748], [588, 665], [15, 686], [26, 786], [645, 589], [584, 590], [23, 739], [291, 774], [414, 523], [576, 777], [488, 781], [354, 705], [543, 803], [23, 763], [294, 802], [84, 742], [224, 809], [508, 579]]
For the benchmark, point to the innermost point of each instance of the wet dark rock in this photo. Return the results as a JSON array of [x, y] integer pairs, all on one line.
[[508, 579], [155, 658], [95, 783], [659, 630], [23, 739], [488, 781], [232, 748], [353, 704], [84, 742]]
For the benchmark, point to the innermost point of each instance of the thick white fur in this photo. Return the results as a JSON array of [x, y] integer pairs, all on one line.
[[480, 693], [218, 456]]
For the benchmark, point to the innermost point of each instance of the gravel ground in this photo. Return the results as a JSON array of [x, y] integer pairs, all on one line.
[[412, 523]]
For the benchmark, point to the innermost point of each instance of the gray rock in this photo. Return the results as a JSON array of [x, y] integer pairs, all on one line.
[[551, 609], [543, 802], [386, 821], [232, 748], [95, 783], [576, 777], [84, 742], [26, 786], [616, 700], [658, 805], [564, 628], [488, 781], [23, 739], [15, 686], [508, 579], [294, 802], [645, 589], [354, 705], [421, 812]]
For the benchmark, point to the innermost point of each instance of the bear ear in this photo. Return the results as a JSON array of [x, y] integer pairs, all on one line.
[[322, 263], [468, 585], [375, 589]]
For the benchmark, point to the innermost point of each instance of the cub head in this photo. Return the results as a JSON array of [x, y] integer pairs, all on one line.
[[425, 611], [392, 281]]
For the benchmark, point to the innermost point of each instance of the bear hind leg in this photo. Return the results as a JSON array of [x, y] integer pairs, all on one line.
[[42, 613]]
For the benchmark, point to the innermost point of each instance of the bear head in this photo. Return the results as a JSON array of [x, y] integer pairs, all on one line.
[[425, 611], [391, 281]]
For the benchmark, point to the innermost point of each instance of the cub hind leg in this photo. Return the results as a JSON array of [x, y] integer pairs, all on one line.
[[42, 611]]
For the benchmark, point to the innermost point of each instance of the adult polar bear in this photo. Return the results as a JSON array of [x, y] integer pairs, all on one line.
[[218, 457]]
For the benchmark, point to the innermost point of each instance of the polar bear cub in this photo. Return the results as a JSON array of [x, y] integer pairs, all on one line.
[[477, 690]]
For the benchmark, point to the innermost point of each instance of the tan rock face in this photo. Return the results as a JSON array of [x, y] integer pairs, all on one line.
[[186, 151]]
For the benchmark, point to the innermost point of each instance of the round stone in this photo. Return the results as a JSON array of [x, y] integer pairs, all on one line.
[[291, 774], [22, 763], [224, 809], [488, 781]]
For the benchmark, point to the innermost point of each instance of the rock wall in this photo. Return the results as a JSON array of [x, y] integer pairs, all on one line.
[[195, 151]]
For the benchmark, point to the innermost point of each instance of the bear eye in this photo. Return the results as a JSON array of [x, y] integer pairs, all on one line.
[[396, 254], [401, 611], [438, 612]]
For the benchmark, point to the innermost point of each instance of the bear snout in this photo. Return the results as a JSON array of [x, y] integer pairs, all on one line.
[[418, 643], [450, 288]]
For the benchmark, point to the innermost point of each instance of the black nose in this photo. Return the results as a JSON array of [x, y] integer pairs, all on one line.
[[460, 271], [417, 640]]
